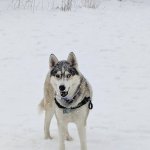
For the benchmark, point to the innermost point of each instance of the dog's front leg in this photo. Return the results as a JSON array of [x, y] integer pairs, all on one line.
[[61, 129], [82, 136]]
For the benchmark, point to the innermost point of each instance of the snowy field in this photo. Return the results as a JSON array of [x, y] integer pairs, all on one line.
[[112, 44]]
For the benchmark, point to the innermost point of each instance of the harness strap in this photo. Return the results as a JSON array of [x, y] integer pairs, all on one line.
[[83, 102]]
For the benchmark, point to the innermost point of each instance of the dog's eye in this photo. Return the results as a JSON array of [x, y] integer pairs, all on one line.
[[68, 75], [58, 76]]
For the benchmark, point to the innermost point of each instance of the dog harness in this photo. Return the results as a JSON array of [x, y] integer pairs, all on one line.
[[83, 102]]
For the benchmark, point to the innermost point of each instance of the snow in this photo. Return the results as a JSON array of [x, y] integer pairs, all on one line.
[[112, 44]]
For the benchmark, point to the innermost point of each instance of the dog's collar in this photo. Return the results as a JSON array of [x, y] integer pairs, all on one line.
[[83, 102]]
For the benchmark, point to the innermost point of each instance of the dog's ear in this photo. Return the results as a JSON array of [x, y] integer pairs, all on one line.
[[52, 61], [72, 60]]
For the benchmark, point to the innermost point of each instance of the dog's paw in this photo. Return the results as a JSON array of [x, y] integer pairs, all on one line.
[[48, 137], [69, 138]]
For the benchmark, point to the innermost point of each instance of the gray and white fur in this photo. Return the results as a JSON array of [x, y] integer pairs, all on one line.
[[65, 83]]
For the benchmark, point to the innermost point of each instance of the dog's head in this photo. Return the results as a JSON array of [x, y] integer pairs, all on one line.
[[64, 77]]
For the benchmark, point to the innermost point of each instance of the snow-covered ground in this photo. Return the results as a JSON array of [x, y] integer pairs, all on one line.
[[112, 44]]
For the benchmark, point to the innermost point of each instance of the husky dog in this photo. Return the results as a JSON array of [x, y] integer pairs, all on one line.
[[67, 94]]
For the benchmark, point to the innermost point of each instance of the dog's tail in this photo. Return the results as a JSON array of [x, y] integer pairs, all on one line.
[[41, 106]]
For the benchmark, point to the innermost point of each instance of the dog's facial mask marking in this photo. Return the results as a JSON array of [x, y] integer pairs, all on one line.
[[64, 73], [63, 69]]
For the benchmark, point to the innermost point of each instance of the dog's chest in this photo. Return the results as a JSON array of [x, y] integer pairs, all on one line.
[[73, 115]]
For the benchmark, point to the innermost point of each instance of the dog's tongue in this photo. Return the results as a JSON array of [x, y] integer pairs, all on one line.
[[67, 99]]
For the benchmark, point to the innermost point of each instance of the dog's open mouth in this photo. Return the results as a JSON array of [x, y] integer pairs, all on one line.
[[63, 94]]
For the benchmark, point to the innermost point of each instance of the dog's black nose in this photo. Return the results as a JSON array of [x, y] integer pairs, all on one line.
[[62, 87]]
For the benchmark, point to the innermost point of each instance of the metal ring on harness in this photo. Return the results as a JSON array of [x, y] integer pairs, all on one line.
[[90, 105]]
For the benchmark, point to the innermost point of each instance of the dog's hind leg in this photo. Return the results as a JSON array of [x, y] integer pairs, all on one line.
[[49, 112]]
